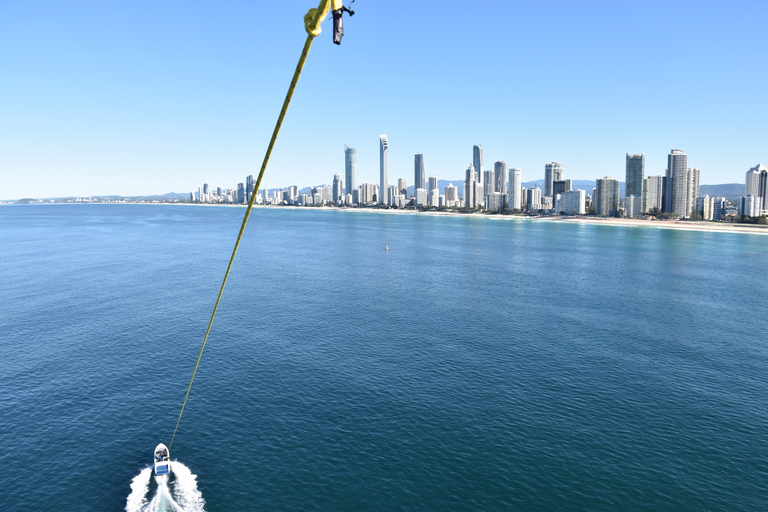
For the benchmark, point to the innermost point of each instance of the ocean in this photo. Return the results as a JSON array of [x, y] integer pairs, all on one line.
[[480, 363]]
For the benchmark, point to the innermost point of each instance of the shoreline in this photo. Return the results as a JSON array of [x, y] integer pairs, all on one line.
[[701, 226]]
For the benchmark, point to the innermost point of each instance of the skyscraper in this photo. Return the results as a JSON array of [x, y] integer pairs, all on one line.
[[350, 168], [338, 189], [635, 175], [692, 185], [419, 173], [515, 197], [477, 162], [655, 194], [606, 199], [553, 171], [469, 186], [500, 176], [383, 169], [249, 183], [676, 193], [432, 184]]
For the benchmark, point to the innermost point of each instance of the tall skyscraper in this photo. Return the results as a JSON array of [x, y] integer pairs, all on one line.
[[676, 192], [500, 176], [419, 173], [383, 169], [338, 189], [470, 182], [606, 199], [477, 162], [655, 194], [515, 196], [693, 177], [553, 171], [350, 168], [763, 186], [249, 183], [488, 181], [752, 183], [635, 175]]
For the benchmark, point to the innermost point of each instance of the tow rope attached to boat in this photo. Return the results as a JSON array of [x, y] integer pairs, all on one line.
[[312, 21]]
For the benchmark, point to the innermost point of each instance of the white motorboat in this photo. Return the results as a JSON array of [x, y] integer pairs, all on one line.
[[162, 460]]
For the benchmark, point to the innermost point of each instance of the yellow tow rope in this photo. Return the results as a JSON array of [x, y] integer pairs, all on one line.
[[312, 21]]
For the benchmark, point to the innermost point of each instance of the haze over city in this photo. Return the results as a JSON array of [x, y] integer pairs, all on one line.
[[147, 99]]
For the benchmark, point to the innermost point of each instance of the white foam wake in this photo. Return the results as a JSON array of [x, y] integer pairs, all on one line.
[[176, 493]]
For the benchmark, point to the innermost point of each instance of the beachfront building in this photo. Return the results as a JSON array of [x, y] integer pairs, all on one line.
[[350, 168], [705, 207], [419, 173], [500, 176], [635, 177], [383, 169], [606, 198], [477, 162], [515, 194], [553, 171]]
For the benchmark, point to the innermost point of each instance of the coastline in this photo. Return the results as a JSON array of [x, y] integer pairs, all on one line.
[[720, 227], [702, 226]]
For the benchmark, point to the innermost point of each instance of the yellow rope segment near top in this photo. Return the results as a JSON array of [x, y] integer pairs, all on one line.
[[312, 21]]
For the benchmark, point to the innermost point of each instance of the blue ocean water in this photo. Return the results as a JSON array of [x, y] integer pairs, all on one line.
[[478, 364]]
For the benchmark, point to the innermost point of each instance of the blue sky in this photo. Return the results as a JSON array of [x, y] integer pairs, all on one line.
[[151, 97]]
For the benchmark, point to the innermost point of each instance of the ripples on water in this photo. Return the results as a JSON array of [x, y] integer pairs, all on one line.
[[479, 364]]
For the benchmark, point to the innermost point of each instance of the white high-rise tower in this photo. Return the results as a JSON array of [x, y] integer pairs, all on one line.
[[383, 169]]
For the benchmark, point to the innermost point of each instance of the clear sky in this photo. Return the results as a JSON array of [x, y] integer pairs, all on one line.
[[147, 97]]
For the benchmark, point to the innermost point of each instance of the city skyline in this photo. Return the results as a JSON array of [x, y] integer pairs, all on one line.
[[100, 102]]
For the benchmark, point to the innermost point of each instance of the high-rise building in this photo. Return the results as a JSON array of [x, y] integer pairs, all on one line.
[[367, 191], [752, 183], [750, 206], [488, 182], [421, 196], [654, 194], [719, 208], [500, 176], [350, 168], [553, 171], [676, 190], [515, 195], [432, 184], [383, 168], [763, 188], [693, 190], [240, 193], [249, 183], [606, 199], [451, 194], [402, 186], [338, 189], [635, 175], [493, 202], [419, 173], [705, 207], [470, 182], [633, 206], [533, 199], [560, 186], [572, 202], [477, 162]]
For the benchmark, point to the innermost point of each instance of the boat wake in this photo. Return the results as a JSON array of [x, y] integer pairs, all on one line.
[[176, 492]]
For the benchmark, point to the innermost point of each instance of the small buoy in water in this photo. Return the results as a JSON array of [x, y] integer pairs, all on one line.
[[386, 247]]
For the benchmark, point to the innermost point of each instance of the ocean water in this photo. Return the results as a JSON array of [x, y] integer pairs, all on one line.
[[478, 364]]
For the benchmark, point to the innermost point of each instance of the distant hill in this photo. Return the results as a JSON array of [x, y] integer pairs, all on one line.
[[730, 191]]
